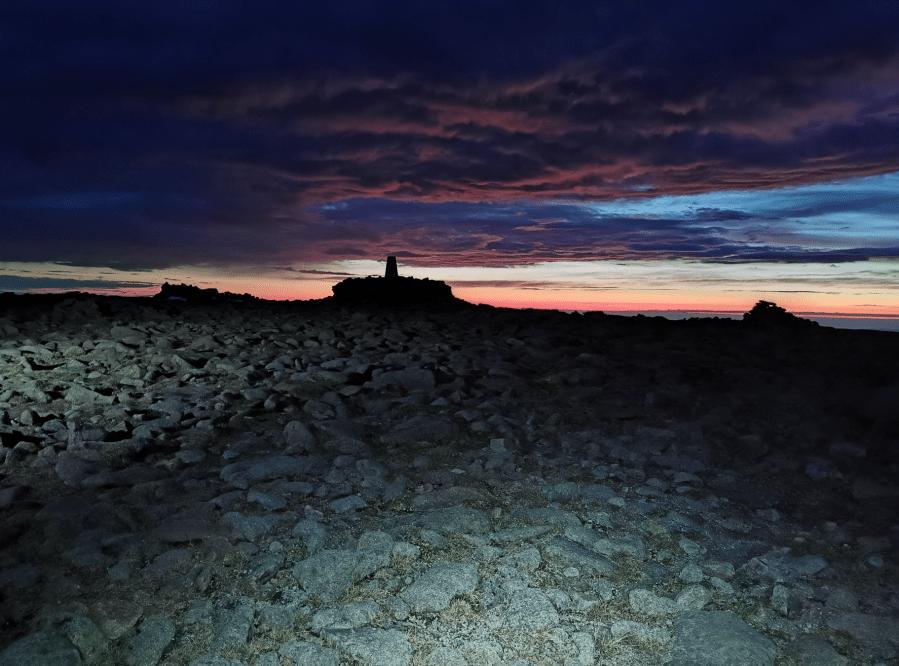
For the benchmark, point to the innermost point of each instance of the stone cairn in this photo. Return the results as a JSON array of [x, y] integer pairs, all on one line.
[[393, 289], [768, 315]]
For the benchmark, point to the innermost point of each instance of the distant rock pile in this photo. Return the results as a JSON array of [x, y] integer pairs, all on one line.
[[188, 292], [769, 315], [392, 289]]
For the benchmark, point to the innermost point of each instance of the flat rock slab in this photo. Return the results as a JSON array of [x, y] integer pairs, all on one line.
[[82, 632], [410, 379], [302, 653], [531, 609], [252, 528], [245, 473], [778, 565], [329, 572], [718, 638], [434, 590], [73, 469], [642, 632], [153, 636], [231, 622], [421, 427], [349, 616], [79, 395], [116, 616], [647, 603], [377, 647], [178, 529], [130, 476], [815, 651], [879, 635], [578, 556], [453, 519], [441, 499], [41, 649]]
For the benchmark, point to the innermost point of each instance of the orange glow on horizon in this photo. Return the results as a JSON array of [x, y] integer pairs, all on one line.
[[540, 300]]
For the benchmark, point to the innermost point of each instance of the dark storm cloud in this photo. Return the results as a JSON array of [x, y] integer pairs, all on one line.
[[154, 134], [458, 233]]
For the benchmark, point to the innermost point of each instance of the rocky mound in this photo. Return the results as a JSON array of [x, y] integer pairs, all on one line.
[[767, 315], [271, 484], [395, 290], [192, 294]]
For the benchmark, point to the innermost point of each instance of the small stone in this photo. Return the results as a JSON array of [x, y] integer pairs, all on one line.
[[691, 573], [644, 601], [347, 504], [689, 547], [692, 597], [722, 570], [721, 585]]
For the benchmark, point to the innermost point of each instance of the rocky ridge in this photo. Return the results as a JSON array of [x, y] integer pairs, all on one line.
[[267, 484]]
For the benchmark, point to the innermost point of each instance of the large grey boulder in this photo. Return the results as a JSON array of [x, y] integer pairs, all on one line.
[[329, 572], [531, 609], [718, 638], [231, 622], [40, 649], [82, 632], [878, 634], [434, 590], [146, 645]]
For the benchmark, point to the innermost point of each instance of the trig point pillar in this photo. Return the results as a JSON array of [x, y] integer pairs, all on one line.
[[391, 268]]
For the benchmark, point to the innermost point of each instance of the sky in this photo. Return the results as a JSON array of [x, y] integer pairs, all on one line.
[[616, 156]]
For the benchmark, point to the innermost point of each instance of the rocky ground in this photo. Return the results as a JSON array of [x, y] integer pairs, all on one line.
[[274, 484]]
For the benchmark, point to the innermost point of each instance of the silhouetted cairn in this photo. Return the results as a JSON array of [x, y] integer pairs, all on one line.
[[192, 294], [392, 289], [769, 315]]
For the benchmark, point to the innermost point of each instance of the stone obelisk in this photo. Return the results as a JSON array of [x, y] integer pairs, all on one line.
[[392, 271]]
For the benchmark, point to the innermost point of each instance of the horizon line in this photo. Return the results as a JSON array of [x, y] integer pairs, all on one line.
[[811, 313]]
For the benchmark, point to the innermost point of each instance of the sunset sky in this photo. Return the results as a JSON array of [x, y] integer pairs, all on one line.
[[643, 156]]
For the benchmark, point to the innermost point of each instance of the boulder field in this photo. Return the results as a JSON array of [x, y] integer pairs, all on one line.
[[209, 480]]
